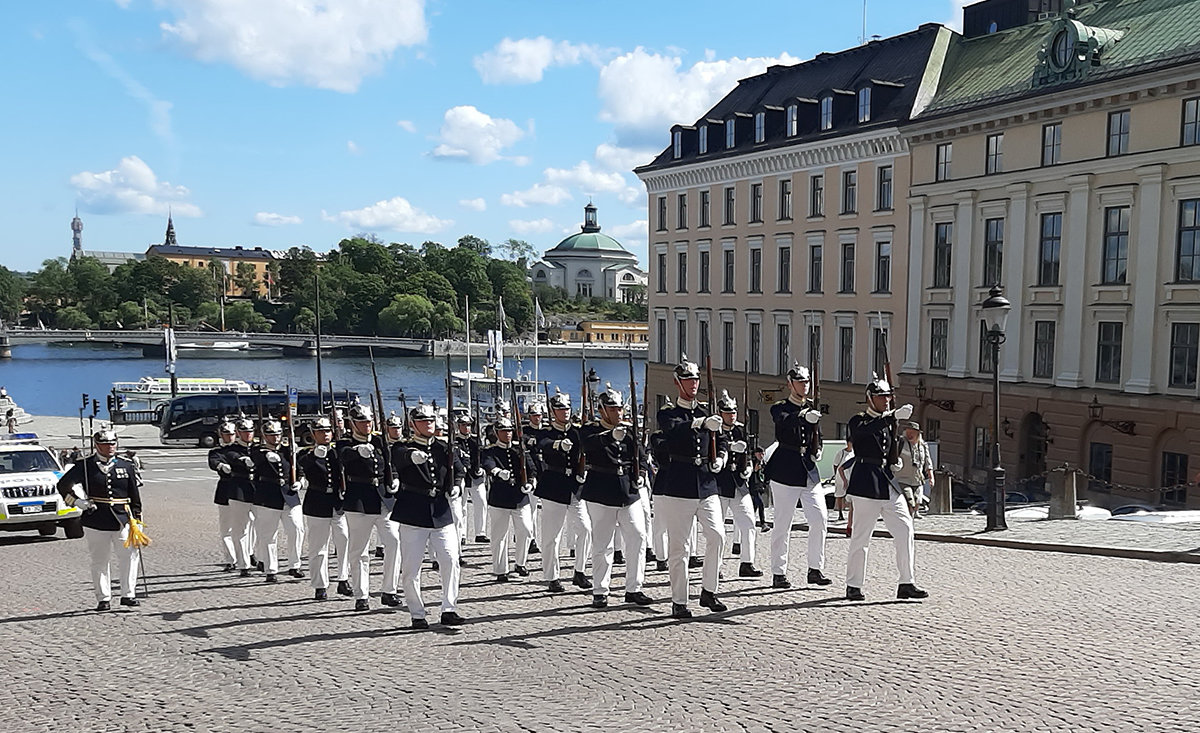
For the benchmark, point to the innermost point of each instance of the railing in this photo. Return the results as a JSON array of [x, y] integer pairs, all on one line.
[[151, 336]]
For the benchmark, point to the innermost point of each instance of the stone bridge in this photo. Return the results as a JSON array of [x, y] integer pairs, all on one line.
[[151, 341]]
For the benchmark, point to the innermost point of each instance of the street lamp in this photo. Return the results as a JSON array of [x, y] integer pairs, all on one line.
[[995, 315]]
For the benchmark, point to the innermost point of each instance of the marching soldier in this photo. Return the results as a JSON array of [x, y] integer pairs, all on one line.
[[734, 484], [876, 436], [533, 430], [276, 499], [367, 479], [685, 488], [559, 489], [241, 495], [425, 466], [476, 480], [321, 477], [611, 489], [218, 460], [508, 499], [795, 479], [107, 487]]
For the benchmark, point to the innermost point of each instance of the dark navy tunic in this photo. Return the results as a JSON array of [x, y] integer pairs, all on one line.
[[367, 478], [683, 454], [218, 457], [321, 471], [506, 494], [611, 478], [795, 460], [241, 485], [422, 500], [470, 454], [874, 438], [114, 486], [272, 476], [557, 481], [729, 480]]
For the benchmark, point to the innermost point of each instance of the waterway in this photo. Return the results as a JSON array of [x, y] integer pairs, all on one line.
[[48, 379]]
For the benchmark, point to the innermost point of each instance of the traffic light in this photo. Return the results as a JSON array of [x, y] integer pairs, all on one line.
[[85, 400], [95, 407], [111, 401]]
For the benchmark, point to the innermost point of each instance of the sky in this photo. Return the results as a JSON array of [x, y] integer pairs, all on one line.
[[279, 123]]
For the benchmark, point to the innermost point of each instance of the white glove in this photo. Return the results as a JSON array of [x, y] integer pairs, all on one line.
[[746, 472], [365, 450], [641, 482], [477, 472], [503, 474], [899, 464], [297, 486], [395, 485], [903, 412], [618, 433], [225, 468], [812, 417], [248, 462], [713, 423], [580, 478], [272, 457], [527, 489], [565, 445], [419, 457], [321, 451], [698, 423], [817, 456], [718, 464], [738, 446], [456, 490]]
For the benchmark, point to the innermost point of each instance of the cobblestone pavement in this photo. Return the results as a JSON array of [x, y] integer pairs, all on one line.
[[1009, 641]]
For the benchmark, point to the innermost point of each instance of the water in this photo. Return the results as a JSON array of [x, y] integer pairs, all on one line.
[[47, 379]]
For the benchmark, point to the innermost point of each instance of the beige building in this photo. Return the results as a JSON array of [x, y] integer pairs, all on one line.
[[1060, 158], [256, 261], [600, 332], [779, 225]]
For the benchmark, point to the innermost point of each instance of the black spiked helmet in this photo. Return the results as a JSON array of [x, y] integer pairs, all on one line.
[[878, 387], [105, 436], [560, 401], [422, 412], [686, 369], [272, 427], [611, 397], [322, 423], [245, 425], [360, 413], [798, 373], [726, 403]]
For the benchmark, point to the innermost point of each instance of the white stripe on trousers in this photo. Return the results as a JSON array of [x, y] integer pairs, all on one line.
[[226, 519], [679, 514], [444, 543], [898, 522], [499, 521], [812, 500], [555, 520], [320, 529], [243, 531], [102, 545], [745, 533], [605, 520]]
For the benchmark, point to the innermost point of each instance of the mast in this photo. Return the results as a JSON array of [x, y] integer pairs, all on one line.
[[317, 306], [467, 316]]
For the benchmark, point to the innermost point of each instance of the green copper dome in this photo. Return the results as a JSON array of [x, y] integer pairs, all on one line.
[[589, 239]]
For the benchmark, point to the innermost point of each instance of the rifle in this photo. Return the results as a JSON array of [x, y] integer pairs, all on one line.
[[260, 414], [894, 447], [291, 432], [450, 429], [518, 433], [638, 454], [712, 403], [752, 449], [583, 389], [387, 452]]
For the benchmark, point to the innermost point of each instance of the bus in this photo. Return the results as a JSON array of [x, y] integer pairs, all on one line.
[[192, 420]]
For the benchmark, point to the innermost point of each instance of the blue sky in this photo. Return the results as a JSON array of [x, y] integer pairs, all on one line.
[[284, 122]]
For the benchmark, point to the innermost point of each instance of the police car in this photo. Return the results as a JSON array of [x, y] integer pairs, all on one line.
[[29, 500]]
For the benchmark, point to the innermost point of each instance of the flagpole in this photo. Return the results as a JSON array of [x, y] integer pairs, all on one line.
[[467, 315], [537, 307]]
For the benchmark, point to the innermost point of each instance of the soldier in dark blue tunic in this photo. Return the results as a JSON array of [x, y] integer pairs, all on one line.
[[476, 482], [276, 500], [241, 494], [560, 449], [509, 506], [367, 479], [734, 484], [218, 460], [321, 478], [108, 488]]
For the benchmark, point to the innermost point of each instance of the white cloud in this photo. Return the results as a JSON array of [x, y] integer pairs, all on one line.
[[535, 226], [328, 45], [617, 158], [956, 14], [591, 181], [474, 204], [269, 219], [352, 147], [406, 125], [633, 230], [644, 93], [395, 214], [523, 61], [538, 193], [475, 136], [131, 188]]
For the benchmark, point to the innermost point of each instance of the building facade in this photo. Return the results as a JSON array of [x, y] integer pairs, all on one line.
[[1060, 159], [244, 272], [600, 332], [591, 264]]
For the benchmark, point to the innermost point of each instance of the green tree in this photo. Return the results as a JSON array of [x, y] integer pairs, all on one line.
[[209, 313], [408, 260], [296, 273], [244, 279], [73, 317], [443, 321], [478, 245], [516, 249], [466, 270], [50, 287], [190, 286], [241, 316], [433, 285], [368, 257], [407, 315], [508, 281], [305, 321], [12, 290], [131, 315]]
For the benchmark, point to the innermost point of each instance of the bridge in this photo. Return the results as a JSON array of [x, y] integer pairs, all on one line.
[[151, 341]]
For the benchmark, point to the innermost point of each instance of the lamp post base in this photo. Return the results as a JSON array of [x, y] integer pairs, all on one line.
[[995, 505]]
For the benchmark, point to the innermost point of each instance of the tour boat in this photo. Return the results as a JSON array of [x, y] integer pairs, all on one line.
[[149, 392]]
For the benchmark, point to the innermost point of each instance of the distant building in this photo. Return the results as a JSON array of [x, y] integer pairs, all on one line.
[[600, 332], [228, 259], [111, 260], [591, 264]]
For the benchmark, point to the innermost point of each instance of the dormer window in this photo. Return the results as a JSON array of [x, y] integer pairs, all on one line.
[[793, 120], [730, 132], [760, 127], [827, 112], [864, 105], [677, 144], [703, 139]]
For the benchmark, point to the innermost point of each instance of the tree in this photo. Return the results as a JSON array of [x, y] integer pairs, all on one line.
[[478, 245], [296, 273], [443, 322], [466, 270], [131, 315], [408, 260], [209, 313], [73, 317], [245, 279], [368, 256], [433, 285], [241, 316], [305, 321], [516, 249], [407, 315], [91, 287], [508, 281], [12, 290]]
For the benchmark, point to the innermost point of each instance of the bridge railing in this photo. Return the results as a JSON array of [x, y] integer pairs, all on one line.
[[151, 336]]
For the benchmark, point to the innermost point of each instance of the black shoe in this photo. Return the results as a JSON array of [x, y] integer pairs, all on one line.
[[135, 602], [228, 567], [711, 602], [434, 565], [618, 558], [906, 590], [533, 548], [650, 557], [555, 586], [765, 526], [462, 562], [695, 562], [103, 606], [780, 581], [816, 577], [344, 589], [747, 570], [321, 595], [261, 567], [522, 571], [420, 623], [639, 598], [271, 578], [362, 605], [736, 549], [379, 552], [481, 538], [502, 578], [253, 560], [599, 601], [296, 573], [660, 566], [450, 618], [581, 581], [389, 599], [854, 594], [679, 610], [572, 553], [245, 573]]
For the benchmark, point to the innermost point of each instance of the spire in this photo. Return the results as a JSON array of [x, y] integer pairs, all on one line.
[[170, 240], [589, 219], [77, 233]]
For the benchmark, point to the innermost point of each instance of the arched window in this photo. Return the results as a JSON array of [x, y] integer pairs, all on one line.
[[541, 275], [627, 277]]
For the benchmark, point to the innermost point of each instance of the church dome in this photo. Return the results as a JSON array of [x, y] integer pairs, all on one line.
[[589, 239]]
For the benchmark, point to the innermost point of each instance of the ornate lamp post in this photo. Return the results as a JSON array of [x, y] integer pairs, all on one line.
[[995, 315]]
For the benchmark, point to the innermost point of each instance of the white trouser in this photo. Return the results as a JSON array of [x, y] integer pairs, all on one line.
[[605, 520], [359, 526], [679, 514], [320, 529], [389, 537], [225, 524], [444, 543], [477, 493], [897, 520], [102, 545], [243, 531], [812, 500], [536, 505], [458, 510], [499, 520], [745, 533], [267, 521], [555, 517], [656, 531]]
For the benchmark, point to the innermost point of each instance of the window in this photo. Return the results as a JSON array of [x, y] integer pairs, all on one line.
[[760, 127], [785, 270], [864, 105], [1052, 143], [756, 203], [847, 283], [1118, 132], [1048, 249], [662, 340], [730, 132], [1187, 250], [755, 347], [705, 207], [942, 244], [703, 141], [1174, 478], [662, 272], [1116, 245], [681, 336], [783, 348], [945, 153], [981, 458], [933, 430], [816, 196], [883, 189], [995, 153], [1191, 122], [583, 289], [1100, 467], [1043, 349], [705, 273], [662, 213], [727, 286], [705, 345], [879, 337], [793, 120], [883, 267], [986, 364], [814, 268], [849, 192], [993, 251], [1185, 344], [677, 143], [1108, 351], [785, 198], [727, 344], [846, 354], [681, 212], [826, 113], [681, 273], [939, 337], [730, 203], [756, 269]]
